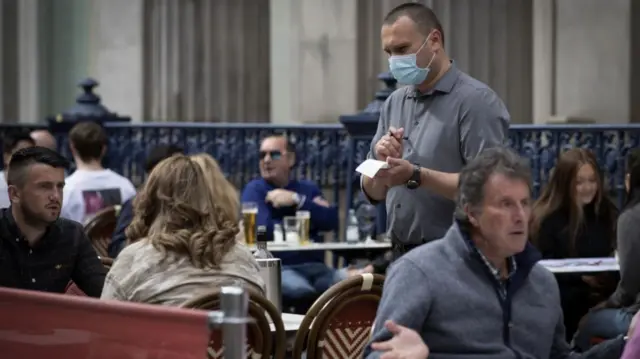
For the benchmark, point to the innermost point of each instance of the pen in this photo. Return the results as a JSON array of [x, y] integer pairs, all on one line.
[[406, 138]]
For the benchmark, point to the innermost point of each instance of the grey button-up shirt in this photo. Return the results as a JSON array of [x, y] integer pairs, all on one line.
[[446, 127]]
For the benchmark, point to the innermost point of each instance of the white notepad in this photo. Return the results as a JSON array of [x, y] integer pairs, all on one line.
[[370, 167]]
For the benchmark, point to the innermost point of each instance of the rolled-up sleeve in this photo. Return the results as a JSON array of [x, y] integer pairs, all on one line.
[[383, 127], [484, 123]]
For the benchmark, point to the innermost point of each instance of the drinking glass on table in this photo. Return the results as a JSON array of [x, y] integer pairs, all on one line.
[[304, 223], [249, 214], [291, 229]]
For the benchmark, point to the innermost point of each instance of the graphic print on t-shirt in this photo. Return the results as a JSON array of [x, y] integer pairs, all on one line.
[[96, 200]]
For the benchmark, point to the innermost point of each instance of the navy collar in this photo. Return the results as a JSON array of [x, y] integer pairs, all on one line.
[[524, 260]]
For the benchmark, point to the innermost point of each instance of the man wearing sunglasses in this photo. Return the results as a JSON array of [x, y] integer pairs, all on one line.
[[304, 274]]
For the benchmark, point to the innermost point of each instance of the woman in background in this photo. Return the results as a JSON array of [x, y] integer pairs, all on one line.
[[613, 316], [183, 242], [574, 218]]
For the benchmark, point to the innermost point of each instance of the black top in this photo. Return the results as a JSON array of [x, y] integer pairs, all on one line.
[[64, 253], [595, 238]]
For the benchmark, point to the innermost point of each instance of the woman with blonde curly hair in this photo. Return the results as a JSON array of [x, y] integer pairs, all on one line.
[[224, 193], [182, 241]]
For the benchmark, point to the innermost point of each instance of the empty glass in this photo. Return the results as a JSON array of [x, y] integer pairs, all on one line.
[[291, 229]]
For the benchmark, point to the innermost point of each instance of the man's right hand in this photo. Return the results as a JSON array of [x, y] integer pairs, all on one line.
[[390, 145]]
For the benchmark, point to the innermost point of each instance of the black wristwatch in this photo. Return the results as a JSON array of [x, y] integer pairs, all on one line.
[[414, 181]]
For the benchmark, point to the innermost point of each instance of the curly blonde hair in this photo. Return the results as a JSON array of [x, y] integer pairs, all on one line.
[[224, 193], [175, 214]]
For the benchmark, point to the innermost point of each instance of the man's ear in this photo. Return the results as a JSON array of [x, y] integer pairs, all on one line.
[[14, 194], [73, 149], [471, 215], [291, 159], [627, 181]]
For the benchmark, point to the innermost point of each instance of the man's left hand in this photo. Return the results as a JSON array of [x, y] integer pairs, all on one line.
[[405, 344], [281, 198], [398, 173]]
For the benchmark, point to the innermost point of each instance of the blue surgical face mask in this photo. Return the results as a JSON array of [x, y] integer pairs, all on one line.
[[405, 67]]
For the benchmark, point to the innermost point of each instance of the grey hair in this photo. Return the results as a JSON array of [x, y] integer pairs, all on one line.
[[474, 176]]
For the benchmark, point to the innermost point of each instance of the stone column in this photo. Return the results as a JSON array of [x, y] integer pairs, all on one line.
[[29, 61], [116, 48], [544, 56], [313, 60], [585, 63]]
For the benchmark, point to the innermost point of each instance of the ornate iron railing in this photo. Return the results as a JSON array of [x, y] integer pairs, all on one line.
[[327, 154]]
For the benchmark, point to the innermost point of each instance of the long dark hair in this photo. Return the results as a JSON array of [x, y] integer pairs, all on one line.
[[633, 171], [560, 193]]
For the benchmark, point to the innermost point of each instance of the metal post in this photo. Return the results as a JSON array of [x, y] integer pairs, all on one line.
[[233, 318]]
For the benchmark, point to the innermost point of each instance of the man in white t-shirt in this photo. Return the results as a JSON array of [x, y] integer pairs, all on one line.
[[91, 187], [10, 145]]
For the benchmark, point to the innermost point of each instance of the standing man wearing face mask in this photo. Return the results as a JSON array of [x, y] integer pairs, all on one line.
[[427, 131]]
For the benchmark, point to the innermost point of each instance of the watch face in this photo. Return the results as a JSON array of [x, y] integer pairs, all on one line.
[[411, 184]]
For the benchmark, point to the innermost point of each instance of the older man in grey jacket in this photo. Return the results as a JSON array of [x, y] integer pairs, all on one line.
[[479, 293]]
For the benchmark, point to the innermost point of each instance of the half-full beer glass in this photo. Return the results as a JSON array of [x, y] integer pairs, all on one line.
[[249, 214], [304, 224]]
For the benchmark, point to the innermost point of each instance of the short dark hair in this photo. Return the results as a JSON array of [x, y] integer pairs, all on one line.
[[88, 139], [160, 153], [475, 175], [10, 142], [424, 18], [290, 146], [26, 157]]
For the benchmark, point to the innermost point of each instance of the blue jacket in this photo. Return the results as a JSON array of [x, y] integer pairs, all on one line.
[[323, 219]]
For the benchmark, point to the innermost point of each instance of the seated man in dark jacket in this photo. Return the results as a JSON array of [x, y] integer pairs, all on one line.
[[119, 240], [39, 250]]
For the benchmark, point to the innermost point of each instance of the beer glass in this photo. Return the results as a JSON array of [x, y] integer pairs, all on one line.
[[304, 224], [249, 214]]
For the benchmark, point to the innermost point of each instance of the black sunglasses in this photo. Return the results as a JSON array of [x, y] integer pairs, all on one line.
[[275, 155]]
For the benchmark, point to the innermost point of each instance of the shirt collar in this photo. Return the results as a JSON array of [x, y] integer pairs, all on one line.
[[445, 84], [512, 266]]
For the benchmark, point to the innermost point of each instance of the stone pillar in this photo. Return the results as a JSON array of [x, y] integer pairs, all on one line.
[[544, 65], [313, 60], [594, 60], [585, 63], [29, 57], [116, 49]]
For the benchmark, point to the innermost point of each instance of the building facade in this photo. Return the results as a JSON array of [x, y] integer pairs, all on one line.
[[308, 61]]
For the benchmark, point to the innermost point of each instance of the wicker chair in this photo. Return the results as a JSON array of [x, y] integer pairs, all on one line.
[[260, 336], [338, 325], [100, 228]]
